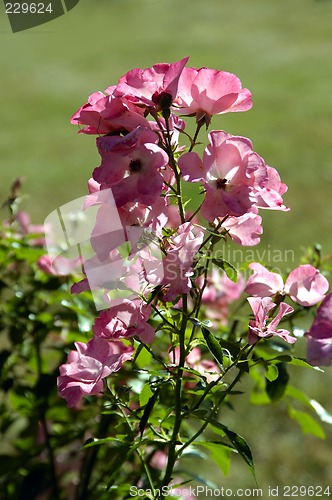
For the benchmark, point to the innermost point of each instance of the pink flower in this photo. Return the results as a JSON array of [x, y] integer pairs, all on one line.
[[246, 229], [156, 86], [60, 266], [127, 163], [260, 327], [209, 369], [86, 367], [219, 293], [178, 262], [102, 274], [205, 92], [269, 192], [263, 283], [319, 347], [108, 113], [27, 228], [227, 172], [159, 460], [305, 284], [136, 220], [126, 319]]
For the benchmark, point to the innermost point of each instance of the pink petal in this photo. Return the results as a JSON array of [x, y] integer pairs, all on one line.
[[319, 347], [192, 168], [306, 285], [263, 283]]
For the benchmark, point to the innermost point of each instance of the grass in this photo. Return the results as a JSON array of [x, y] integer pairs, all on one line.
[[281, 50]]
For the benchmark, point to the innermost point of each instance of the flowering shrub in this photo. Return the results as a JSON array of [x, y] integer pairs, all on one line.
[[178, 328]]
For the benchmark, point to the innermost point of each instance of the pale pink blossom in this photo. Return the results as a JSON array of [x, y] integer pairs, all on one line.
[[137, 220], [208, 368], [88, 365], [206, 92], [246, 229], [24, 221], [261, 327], [59, 266], [263, 283], [319, 337], [229, 171], [159, 460], [181, 250], [269, 192], [305, 284], [219, 293], [108, 113], [101, 274], [127, 163], [126, 319], [152, 87]]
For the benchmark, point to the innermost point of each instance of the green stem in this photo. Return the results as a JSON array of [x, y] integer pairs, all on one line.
[[172, 455], [213, 413]]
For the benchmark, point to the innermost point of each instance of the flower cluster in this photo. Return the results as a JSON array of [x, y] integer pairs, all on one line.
[[139, 123]]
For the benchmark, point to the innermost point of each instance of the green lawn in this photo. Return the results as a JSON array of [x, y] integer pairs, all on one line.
[[281, 50]]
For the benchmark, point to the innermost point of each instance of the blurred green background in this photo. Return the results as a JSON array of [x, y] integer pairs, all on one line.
[[280, 49]]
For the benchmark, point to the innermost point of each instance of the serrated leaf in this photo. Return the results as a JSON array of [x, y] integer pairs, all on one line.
[[307, 423]]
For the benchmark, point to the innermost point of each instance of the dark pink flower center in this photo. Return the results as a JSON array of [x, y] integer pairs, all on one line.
[[221, 183], [135, 166]]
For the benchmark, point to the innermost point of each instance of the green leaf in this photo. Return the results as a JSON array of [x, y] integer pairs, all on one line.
[[143, 357], [321, 412], [145, 395], [238, 442], [276, 388], [147, 412], [307, 422], [233, 347], [213, 345], [271, 373], [219, 452], [230, 270], [97, 442], [304, 363]]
